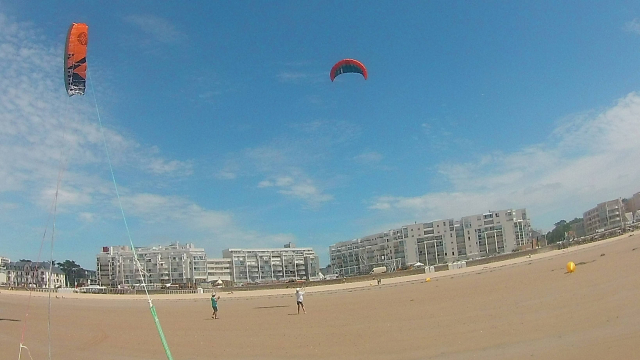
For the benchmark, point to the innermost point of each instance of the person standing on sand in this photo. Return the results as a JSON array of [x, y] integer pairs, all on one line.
[[214, 305], [299, 299]]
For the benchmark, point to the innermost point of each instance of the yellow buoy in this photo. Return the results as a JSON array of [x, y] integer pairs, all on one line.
[[571, 267], [428, 279]]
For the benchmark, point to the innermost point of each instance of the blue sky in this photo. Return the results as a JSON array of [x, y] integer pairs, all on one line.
[[226, 131]]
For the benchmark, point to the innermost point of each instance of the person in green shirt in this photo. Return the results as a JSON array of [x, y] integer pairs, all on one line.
[[214, 305]]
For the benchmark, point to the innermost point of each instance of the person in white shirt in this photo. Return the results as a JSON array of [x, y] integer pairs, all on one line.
[[299, 294]]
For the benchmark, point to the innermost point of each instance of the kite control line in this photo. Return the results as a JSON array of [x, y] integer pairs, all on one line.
[[124, 218]]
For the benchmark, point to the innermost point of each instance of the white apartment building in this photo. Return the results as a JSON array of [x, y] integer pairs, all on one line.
[[176, 264], [441, 241], [496, 232], [218, 269], [432, 243], [633, 203], [4, 261], [393, 248], [268, 265], [34, 274], [605, 216]]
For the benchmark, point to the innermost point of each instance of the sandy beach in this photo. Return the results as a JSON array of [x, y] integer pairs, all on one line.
[[523, 308]]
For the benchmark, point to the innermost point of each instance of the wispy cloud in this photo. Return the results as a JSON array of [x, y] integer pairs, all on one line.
[[175, 212], [633, 26], [287, 162], [173, 167], [39, 136], [87, 217], [299, 77], [299, 187], [40, 139], [588, 159], [371, 157], [225, 174], [159, 28]]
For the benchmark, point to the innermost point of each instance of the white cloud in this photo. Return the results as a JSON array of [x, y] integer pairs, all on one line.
[[87, 217], [308, 192], [588, 159], [159, 28], [283, 162], [633, 26], [371, 157], [226, 175], [299, 77], [156, 208], [43, 134], [173, 167], [219, 227], [8, 206], [298, 186], [284, 181]]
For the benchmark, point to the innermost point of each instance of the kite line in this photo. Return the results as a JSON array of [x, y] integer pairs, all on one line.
[[124, 218]]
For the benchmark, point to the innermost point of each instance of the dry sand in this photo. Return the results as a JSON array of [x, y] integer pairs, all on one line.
[[523, 309]]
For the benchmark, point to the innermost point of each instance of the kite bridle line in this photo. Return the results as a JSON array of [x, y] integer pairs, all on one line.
[[124, 218]]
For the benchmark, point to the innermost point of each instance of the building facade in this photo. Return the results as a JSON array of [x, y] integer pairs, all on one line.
[[496, 232], [434, 242], [4, 261], [34, 274], [218, 269], [271, 265], [393, 248], [633, 204], [605, 216], [183, 265]]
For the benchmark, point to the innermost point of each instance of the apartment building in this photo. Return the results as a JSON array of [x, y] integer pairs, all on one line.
[[393, 249], [34, 274], [268, 265], [441, 241], [434, 242], [4, 261], [496, 232], [633, 204], [183, 265], [605, 216], [218, 269]]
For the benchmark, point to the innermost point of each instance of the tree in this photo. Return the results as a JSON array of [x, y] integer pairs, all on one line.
[[24, 260], [557, 234], [70, 269], [561, 228]]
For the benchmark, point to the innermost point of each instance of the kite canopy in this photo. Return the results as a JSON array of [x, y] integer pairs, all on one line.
[[348, 66], [75, 59]]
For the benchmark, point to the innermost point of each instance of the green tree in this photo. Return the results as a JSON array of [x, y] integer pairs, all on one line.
[[70, 270], [557, 234], [561, 228]]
